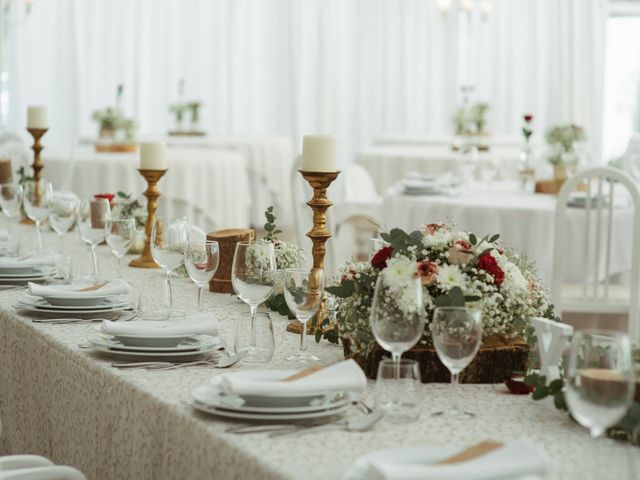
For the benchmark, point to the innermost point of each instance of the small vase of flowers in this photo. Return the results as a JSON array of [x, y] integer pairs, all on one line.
[[566, 155]]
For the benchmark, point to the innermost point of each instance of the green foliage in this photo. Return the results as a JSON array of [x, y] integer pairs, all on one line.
[[454, 298], [277, 303], [23, 176], [270, 226]]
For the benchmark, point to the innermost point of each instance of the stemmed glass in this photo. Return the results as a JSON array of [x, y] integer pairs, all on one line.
[[201, 260], [168, 238], [94, 222], [120, 237], [10, 201], [64, 211], [456, 334], [36, 198], [253, 276], [303, 291]]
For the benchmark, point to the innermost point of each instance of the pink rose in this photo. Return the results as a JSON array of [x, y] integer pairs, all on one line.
[[427, 271], [460, 253], [432, 228]]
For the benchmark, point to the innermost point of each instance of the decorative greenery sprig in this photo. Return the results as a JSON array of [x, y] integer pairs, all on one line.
[[270, 226], [23, 176]]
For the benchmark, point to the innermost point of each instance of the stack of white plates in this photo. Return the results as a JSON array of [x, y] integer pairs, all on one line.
[[164, 347], [276, 406], [83, 306], [25, 274]]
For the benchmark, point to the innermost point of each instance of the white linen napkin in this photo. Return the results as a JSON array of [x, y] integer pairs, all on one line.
[[38, 259], [114, 287], [202, 323], [344, 376], [516, 459]]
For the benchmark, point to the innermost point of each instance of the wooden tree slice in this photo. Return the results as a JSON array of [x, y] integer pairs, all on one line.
[[227, 239], [495, 362]]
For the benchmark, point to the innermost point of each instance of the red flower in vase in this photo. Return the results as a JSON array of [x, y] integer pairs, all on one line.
[[490, 265], [379, 260], [108, 196], [528, 117]]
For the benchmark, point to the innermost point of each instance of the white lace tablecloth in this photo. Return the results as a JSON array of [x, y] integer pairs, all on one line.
[[210, 187], [67, 403]]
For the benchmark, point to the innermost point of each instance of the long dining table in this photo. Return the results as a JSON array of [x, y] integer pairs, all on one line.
[[64, 401]]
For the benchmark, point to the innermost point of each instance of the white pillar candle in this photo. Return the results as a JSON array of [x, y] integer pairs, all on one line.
[[153, 156], [319, 153], [37, 116]]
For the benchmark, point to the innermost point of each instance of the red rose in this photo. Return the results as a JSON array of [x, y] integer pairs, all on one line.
[[528, 117], [432, 228], [379, 260], [108, 196], [489, 264]]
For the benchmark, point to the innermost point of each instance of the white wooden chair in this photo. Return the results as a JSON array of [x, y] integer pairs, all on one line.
[[552, 337], [301, 193], [33, 467], [596, 294], [631, 158]]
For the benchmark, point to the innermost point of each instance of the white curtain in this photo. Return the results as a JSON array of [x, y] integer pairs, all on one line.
[[355, 68]]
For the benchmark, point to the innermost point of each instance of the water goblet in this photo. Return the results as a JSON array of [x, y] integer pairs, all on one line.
[[64, 211], [397, 390], [94, 222], [120, 237], [456, 334], [153, 299], [201, 260], [303, 292], [10, 202], [36, 198], [168, 238], [253, 276], [263, 338]]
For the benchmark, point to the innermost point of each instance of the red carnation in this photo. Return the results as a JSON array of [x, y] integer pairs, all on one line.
[[528, 117], [489, 264], [379, 260]]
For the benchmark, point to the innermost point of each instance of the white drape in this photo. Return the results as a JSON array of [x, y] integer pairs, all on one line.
[[355, 68]]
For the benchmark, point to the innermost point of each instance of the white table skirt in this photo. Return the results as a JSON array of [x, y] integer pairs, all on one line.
[[525, 222], [69, 404], [210, 187]]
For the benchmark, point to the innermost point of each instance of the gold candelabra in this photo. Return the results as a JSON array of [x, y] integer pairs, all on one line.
[[152, 193], [319, 234], [37, 164]]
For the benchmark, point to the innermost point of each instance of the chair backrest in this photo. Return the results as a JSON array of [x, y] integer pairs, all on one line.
[[599, 213], [552, 337], [631, 158], [359, 186]]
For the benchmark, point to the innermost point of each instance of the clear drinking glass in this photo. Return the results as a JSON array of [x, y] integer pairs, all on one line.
[[64, 211], [264, 341], [10, 201], [457, 334], [253, 276], [36, 198], [397, 314], [303, 292], [201, 260], [398, 390], [168, 239], [94, 222], [153, 299], [120, 237]]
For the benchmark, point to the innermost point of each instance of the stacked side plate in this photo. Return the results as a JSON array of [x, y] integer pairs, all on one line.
[[25, 274], [105, 305], [277, 406], [164, 348]]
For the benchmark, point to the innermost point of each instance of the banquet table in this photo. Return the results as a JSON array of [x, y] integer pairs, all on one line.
[[65, 402], [210, 187], [524, 220]]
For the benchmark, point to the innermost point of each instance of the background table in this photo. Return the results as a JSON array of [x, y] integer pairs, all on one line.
[[525, 222], [210, 187], [69, 404]]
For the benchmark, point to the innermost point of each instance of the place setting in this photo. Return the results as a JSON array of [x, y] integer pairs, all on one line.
[[38, 266]]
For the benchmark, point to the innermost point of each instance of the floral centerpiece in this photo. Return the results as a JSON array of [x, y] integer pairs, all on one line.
[[116, 132], [456, 269], [180, 108], [470, 122], [563, 141]]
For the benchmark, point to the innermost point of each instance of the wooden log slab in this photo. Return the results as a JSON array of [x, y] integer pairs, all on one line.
[[495, 362], [227, 239], [116, 147]]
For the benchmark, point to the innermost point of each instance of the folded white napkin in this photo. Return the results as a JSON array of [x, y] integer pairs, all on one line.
[[38, 259], [114, 287], [202, 323], [516, 459], [344, 376]]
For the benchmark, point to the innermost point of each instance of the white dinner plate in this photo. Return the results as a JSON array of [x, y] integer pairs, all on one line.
[[264, 416], [34, 274], [114, 302], [208, 347], [74, 302], [190, 344], [61, 310], [213, 396], [151, 340]]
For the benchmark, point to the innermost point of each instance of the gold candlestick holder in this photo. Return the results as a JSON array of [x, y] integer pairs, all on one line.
[[37, 165], [152, 193], [319, 234]]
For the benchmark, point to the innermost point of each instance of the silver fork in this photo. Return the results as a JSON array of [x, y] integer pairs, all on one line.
[[59, 321], [163, 365]]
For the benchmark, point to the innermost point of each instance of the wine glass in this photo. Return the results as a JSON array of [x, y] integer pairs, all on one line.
[[201, 260], [457, 334], [10, 201], [64, 210], [168, 238], [120, 237], [36, 198], [94, 222], [303, 291], [253, 276]]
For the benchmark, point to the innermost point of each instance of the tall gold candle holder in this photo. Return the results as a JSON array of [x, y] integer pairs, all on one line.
[[152, 193], [37, 165], [319, 234]]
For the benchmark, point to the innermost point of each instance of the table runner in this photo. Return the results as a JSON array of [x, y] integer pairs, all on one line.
[[67, 403]]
